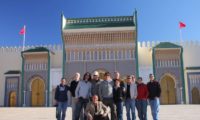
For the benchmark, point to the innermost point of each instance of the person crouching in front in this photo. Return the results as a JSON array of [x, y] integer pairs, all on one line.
[[96, 110]]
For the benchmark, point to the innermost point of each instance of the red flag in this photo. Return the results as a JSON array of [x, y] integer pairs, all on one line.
[[22, 31], [181, 25]]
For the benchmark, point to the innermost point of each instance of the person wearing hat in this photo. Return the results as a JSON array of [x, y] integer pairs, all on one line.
[[141, 100], [106, 94], [95, 83]]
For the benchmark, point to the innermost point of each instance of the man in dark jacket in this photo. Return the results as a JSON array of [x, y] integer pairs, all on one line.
[[154, 94], [118, 96], [61, 98]]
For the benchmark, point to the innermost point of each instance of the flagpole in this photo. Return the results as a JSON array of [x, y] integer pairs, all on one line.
[[24, 38], [181, 39]]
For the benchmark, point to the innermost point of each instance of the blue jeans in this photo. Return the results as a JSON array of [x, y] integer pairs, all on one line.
[[62, 107], [154, 104], [81, 104], [119, 110], [141, 106], [130, 106]]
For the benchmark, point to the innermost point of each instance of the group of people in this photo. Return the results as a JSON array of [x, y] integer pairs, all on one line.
[[96, 99]]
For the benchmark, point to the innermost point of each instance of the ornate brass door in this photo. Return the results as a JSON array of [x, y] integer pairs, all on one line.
[[13, 99], [168, 94], [101, 73], [38, 92], [195, 96]]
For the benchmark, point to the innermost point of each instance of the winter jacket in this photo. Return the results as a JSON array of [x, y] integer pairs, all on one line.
[[61, 93], [142, 91], [154, 89]]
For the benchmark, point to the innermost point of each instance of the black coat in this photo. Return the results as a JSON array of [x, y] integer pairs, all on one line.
[[61, 93], [154, 89], [73, 86], [118, 94]]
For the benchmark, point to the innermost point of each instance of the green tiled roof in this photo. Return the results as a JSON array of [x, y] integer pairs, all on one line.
[[167, 45], [98, 22], [37, 49], [193, 68], [13, 72]]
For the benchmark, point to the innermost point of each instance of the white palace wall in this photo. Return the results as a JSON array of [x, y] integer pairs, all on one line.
[[191, 53], [10, 59]]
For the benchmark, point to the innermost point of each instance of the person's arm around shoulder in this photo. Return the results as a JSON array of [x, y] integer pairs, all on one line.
[[90, 90], [100, 91], [70, 87], [57, 93], [135, 90], [146, 91], [77, 90], [159, 89]]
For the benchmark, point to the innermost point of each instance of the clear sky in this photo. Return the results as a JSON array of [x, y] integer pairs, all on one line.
[[157, 19]]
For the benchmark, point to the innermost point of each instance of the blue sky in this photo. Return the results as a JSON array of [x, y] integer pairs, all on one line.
[[157, 19]]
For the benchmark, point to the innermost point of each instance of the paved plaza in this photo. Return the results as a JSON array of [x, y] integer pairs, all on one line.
[[167, 112]]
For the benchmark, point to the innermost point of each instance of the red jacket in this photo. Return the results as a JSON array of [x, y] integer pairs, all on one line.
[[142, 91]]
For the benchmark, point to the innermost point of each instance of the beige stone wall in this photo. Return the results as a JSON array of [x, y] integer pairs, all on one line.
[[57, 59], [145, 60], [9, 60], [191, 54]]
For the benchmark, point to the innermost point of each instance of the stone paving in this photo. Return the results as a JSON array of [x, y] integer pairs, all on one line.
[[167, 112]]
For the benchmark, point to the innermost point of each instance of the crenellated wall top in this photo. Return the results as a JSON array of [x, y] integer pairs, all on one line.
[[150, 44], [19, 48], [58, 47]]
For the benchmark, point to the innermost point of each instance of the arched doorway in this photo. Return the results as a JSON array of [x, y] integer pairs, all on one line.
[[38, 92], [123, 78], [195, 96], [13, 99], [101, 73], [168, 94]]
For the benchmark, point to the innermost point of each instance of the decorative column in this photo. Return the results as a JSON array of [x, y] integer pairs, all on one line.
[[181, 88], [46, 96], [24, 104]]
